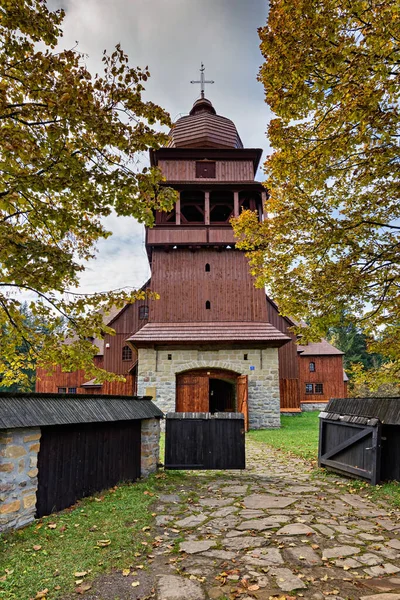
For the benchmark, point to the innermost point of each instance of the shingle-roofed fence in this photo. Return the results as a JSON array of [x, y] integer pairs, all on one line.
[[92, 442]]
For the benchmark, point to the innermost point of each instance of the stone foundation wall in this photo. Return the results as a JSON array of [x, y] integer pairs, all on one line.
[[157, 376], [18, 476], [150, 456], [309, 406]]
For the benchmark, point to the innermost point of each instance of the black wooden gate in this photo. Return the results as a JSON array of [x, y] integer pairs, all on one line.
[[205, 441], [351, 445], [77, 460]]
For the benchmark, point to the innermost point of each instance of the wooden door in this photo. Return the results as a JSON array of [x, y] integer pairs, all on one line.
[[192, 393], [242, 395], [351, 448]]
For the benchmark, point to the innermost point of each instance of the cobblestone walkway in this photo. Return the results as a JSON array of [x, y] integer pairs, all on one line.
[[275, 529]]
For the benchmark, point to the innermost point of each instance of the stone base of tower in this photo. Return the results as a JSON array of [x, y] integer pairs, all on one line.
[[159, 369]]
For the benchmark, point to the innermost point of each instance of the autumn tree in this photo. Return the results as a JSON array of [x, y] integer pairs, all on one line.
[[331, 243], [70, 144]]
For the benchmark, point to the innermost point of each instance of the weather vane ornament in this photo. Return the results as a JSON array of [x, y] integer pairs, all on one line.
[[202, 81]]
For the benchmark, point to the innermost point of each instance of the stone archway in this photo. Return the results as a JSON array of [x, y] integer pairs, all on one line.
[[210, 389]]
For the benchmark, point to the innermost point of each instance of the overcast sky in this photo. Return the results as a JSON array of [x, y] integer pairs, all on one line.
[[172, 37]]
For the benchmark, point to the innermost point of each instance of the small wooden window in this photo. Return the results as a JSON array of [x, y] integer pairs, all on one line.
[[169, 356], [245, 357], [205, 170], [126, 353], [207, 268], [143, 312], [319, 388], [71, 390], [62, 390], [312, 367], [309, 388], [208, 305]]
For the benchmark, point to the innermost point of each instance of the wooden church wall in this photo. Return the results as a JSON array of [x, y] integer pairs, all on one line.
[[184, 285], [125, 324], [328, 371], [226, 170], [288, 362], [50, 381]]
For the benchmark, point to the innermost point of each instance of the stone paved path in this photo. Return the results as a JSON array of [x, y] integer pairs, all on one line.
[[275, 529]]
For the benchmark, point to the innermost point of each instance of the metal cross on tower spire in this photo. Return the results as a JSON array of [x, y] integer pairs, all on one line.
[[202, 81]]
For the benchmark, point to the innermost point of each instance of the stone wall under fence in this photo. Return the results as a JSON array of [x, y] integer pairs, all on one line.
[[310, 406], [19, 450], [157, 376]]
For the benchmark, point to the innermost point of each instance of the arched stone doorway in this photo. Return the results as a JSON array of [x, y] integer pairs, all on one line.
[[211, 390]]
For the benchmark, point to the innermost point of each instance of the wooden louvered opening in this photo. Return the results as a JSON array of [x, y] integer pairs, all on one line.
[[192, 207], [251, 200], [221, 206]]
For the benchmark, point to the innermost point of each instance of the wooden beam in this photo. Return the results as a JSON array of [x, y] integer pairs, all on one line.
[[207, 208], [264, 204], [235, 204], [178, 210]]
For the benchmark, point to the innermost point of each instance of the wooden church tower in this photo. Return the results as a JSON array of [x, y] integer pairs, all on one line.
[[207, 345], [213, 342]]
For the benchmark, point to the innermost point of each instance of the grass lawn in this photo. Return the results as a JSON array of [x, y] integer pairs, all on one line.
[[299, 436], [98, 534]]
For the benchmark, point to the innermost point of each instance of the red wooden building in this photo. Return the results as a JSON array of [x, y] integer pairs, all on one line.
[[213, 342]]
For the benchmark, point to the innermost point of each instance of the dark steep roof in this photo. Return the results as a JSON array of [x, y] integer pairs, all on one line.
[[35, 410], [387, 410], [248, 331]]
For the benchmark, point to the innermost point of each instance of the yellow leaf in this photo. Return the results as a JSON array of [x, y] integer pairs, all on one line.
[[103, 543], [80, 573], [126, 572], [135, 583], [42, 594]]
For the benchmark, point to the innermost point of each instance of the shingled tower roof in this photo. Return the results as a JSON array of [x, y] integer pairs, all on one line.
[[203, 128]]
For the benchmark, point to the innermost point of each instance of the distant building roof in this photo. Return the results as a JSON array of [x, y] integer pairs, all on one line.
[[322, 348], [209, 332], [35, 410], [91, 383], [203, 128]]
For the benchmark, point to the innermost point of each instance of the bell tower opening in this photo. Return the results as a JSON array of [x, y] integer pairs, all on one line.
[[192, 207]]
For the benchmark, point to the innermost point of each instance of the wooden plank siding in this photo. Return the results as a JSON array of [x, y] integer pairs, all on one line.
[[50, 381], [328, 371], [226, 170], [125, 324], [288, 362], [185, 286], [77, 460]]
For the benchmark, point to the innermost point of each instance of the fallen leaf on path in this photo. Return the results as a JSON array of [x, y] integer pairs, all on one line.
[[135, 583], [83, 588], [126, 572]]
